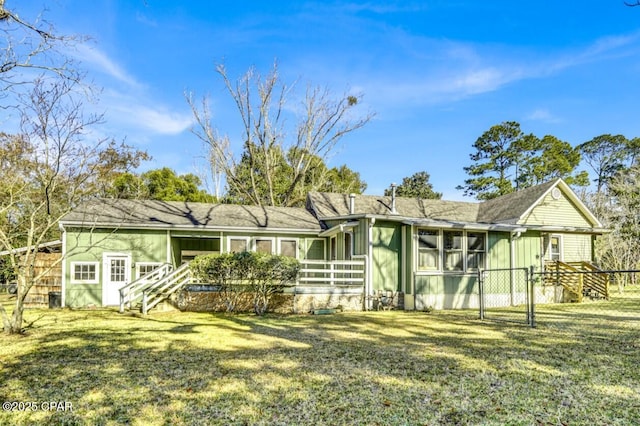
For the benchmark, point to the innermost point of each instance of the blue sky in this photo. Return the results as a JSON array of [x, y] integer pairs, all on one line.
[[437, 74]]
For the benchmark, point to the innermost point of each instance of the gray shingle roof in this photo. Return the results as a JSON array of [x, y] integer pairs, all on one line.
[[329, 205], [509, 208], [502, 210], [169, 214]]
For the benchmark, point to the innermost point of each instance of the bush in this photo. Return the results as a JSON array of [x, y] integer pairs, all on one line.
[[237, 274]]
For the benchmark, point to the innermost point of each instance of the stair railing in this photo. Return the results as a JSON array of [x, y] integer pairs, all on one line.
[[132, 292], [161, 290]]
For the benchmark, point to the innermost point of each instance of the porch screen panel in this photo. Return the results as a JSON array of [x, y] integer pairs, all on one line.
[[264, 246], [315, 250], [237, 245], [452, 244], [428, 249], [289, 248], [476, 243]]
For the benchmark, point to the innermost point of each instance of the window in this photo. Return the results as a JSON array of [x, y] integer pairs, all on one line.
[[84, 272], [475, 250], [451, 250], [238, 245], [428, 249], [144, 268], [264, 246], [555, 247], [452, 253], [289, 248]]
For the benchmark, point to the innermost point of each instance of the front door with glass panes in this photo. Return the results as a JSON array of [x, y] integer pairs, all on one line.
[[117, 274]]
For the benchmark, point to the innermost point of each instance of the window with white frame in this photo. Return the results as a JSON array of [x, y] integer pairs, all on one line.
[[428, 249], [144, 268], [476, 249], [555, 247], [84, 272], [451, 250], [264, 245], [238, 245], [289, 248]]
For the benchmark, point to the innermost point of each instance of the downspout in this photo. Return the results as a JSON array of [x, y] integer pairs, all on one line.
[[63, 280], [169, 247], [369, 281]]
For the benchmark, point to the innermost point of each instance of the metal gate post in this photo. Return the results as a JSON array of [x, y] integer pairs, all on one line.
[[532, 300], [481, 292]]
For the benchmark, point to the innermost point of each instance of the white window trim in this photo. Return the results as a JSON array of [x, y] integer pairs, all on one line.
[[73, 265], [139, 264], [560, 247], [438, 269], [295, 240], [231, 237], [254, 243], [465, 252]]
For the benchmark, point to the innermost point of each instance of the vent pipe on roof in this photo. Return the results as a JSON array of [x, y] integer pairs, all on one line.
[[352, 203], [393, 199]]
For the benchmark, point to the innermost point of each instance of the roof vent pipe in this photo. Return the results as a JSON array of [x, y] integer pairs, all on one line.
[[352, 203], [393, 199]]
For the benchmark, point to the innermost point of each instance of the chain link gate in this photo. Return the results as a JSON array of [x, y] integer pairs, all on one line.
[[507, 295]]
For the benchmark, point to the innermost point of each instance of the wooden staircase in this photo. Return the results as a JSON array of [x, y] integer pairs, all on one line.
[[153, 288], [580, 279]]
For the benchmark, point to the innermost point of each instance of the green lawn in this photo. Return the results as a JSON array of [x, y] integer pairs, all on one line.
[[580, 366]]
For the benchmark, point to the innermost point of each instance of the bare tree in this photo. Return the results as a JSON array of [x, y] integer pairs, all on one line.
[[263, 103], [47, 169], [30, 48]]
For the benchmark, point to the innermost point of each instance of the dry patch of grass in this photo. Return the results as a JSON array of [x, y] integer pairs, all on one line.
[[580, 366]]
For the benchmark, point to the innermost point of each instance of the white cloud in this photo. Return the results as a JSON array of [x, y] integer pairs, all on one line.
[[544, 115], [157, 120], [99, 61]]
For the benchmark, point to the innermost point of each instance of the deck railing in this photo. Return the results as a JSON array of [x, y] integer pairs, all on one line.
[[332, 272]]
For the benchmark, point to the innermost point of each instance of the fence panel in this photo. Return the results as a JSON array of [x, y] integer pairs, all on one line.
[[506, 295]]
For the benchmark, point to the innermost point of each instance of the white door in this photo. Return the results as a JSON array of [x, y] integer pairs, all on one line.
[[117, 274]]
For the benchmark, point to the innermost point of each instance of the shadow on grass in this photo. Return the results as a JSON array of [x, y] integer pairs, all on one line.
[[357, 368]]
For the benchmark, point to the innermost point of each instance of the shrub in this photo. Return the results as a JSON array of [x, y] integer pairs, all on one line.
[[236, 274]]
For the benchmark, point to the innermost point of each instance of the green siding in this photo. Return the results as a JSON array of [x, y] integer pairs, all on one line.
[[386, 256], [88, 246], [528, 250], [577, 247], [498, 256], [560, 212]]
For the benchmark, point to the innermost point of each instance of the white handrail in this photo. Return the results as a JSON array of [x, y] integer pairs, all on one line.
[[131, 292], [162, 289]]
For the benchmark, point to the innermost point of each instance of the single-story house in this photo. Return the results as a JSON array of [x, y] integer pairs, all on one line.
[[352, 247]]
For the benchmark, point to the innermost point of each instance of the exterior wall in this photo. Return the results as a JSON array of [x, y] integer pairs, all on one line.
[[577, 247], [446, 291], [560, 212], [298, 300], [89, 246]]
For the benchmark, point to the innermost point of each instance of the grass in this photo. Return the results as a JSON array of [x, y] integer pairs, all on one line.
[[580, 366]]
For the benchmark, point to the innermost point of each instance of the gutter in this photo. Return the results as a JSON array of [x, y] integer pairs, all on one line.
[[110, 225]]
